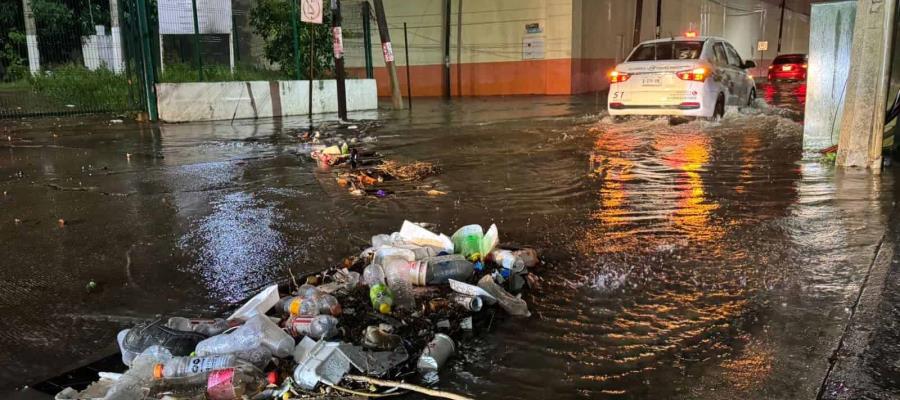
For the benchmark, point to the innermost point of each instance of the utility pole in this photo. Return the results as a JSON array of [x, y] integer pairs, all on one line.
[[658, 16], [34, 55], [459, 48], [367, 38], [780, 26], [445, 38], [388, 51], [638, 14], [197, 57], [338, 44]]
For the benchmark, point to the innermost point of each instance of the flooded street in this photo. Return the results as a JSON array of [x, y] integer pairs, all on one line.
[[701, 260]]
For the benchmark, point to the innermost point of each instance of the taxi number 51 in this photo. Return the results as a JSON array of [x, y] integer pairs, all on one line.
[[618, 95]]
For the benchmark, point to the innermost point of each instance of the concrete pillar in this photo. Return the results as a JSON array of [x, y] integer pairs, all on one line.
[[830, 48], [118, 63], [34, 55], [862, 123]]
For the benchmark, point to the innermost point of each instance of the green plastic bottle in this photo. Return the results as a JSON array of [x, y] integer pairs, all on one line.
[[382, 298]]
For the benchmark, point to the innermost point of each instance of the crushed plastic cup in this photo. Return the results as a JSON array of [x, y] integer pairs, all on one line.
[[511, 304], [436, 353]]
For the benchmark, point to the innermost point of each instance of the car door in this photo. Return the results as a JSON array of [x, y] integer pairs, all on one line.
[[726, 72], [743, 82]]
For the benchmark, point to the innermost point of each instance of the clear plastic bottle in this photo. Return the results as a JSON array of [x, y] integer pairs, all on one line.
[[131, 384], [328, 304], [318, 327], [220, 384], [186, 366], [259, 330], [301, 305], [206, 327], [373, 275]]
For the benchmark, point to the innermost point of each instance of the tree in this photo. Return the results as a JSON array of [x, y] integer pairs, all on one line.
[[271, 20], [12, 43]]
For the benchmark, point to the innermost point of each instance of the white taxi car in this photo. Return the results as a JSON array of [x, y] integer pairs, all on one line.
[[688, 76]]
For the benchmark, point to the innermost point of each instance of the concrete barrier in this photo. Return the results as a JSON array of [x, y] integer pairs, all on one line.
[[210, 101]]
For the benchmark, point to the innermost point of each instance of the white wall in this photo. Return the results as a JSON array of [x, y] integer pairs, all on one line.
[[211, 101]]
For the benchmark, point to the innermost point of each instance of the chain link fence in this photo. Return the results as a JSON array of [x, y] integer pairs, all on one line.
[[81, 56]]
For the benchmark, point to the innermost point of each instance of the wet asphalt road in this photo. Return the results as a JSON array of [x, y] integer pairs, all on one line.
[[703, 260]]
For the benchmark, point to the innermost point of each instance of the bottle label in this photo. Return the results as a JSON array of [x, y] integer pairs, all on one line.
[[220, 385], [208, 363]]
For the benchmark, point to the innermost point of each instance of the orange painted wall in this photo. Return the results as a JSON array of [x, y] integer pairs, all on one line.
[[547, 77]]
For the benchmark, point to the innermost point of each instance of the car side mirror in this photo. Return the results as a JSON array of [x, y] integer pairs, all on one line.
[[749, 64]]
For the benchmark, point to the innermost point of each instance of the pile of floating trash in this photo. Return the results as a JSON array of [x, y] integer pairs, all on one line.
[[382, 323]]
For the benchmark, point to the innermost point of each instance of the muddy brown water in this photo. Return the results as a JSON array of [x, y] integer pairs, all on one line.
[[703, 260]]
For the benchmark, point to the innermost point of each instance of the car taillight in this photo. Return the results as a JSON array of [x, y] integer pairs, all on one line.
[[696, 74], [617, 77], [804, 66], [771, 66]]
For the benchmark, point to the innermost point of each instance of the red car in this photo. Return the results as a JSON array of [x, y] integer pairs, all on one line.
[[788, 67]]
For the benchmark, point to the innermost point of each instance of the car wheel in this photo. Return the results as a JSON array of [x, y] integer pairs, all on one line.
[[752, 97]]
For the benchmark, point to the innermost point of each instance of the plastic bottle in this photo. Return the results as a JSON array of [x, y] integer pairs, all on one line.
[[382, 298], [467, 241], [403, 294], [185, 366], [259, 330], [328, 304], [508, 260], [318, 327], [203, 326], [142, 336], [373, 275], [220, 384], [131, 384], [441, 269], [298, 305]]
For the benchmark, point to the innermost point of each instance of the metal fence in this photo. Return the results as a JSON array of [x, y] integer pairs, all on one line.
[[66, 56], [80, 56]]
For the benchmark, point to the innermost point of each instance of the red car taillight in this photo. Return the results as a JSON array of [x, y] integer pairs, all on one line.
[[696, 74], [617, 77]]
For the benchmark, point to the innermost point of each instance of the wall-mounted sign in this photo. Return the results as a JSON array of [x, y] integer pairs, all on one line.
[[762, 45], [533, 28], [176, 17], [533, 47]]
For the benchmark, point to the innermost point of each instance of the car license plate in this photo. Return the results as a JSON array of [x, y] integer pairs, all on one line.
[[651, 81]]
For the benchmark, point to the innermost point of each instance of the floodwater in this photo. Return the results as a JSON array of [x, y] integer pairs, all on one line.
[[701, 260]]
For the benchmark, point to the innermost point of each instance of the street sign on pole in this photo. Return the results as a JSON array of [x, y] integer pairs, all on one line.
[[311, 11], [762, 45]]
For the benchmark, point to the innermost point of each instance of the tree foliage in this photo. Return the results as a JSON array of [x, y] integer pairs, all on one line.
[[271, 20]]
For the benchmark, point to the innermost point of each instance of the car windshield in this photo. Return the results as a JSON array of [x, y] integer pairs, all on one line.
[[675, 50], [792, 59]]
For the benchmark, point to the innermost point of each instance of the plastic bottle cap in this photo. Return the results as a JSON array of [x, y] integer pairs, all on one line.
[[158, 371], [272, 377], [384, 308]]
